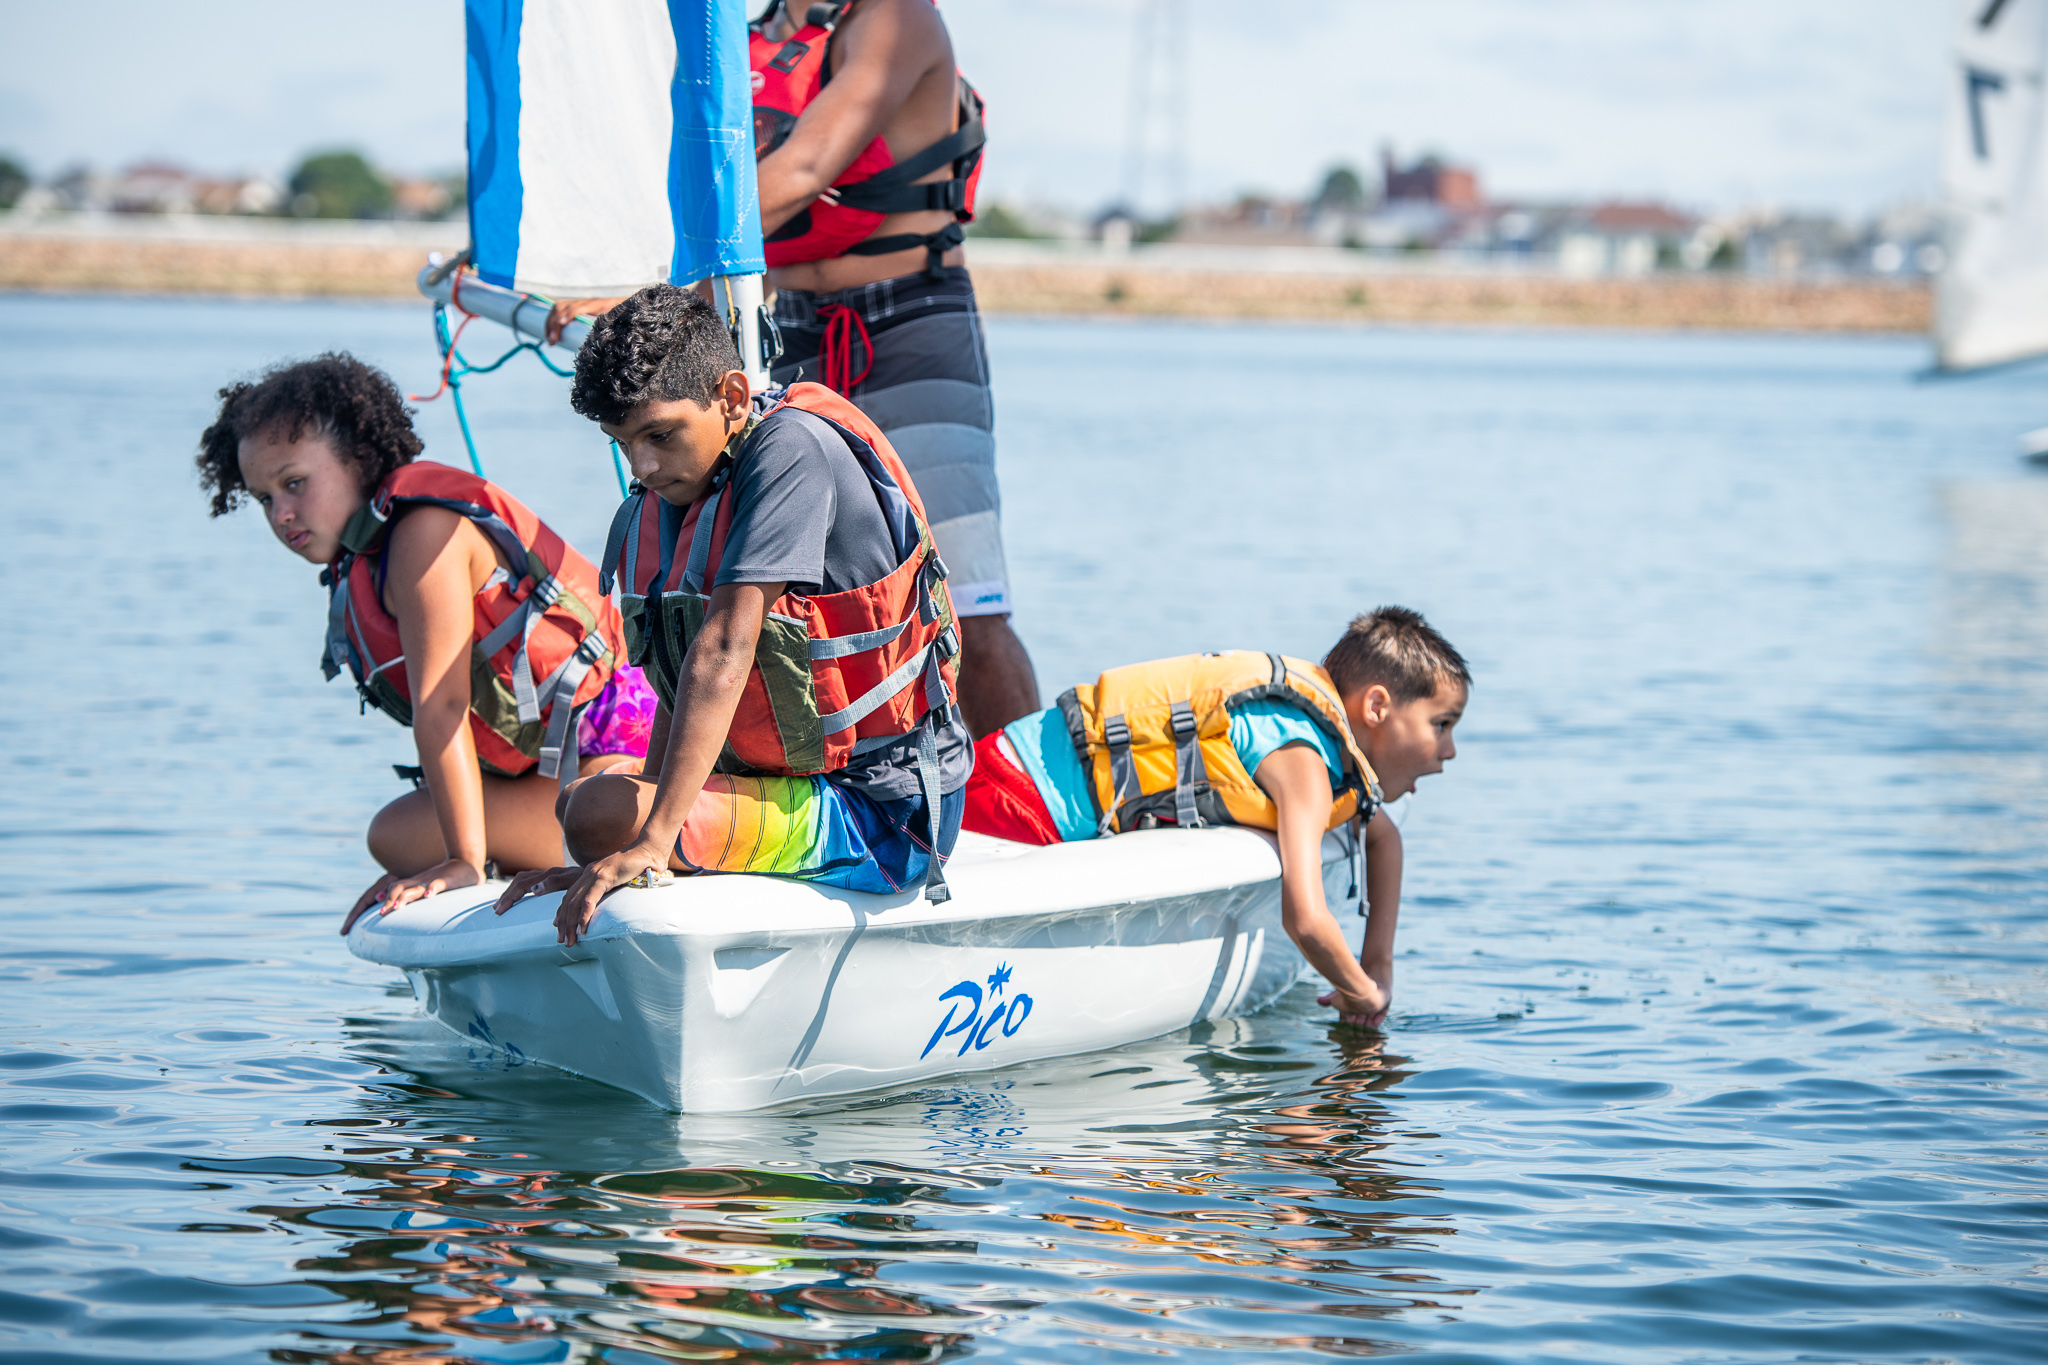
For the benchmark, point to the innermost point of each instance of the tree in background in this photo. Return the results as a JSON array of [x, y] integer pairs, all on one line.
[[339, 184], [1000, 220], [1342, 189], [13, 181]]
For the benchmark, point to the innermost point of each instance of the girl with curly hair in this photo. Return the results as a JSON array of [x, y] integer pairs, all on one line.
[[457, 611]]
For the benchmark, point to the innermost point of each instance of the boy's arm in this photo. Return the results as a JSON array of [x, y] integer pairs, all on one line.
[[1383, 903], [657, 741], [714, 673], [1299, 783]]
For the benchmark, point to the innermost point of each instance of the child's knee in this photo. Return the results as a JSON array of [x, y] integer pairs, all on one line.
[[392, 835], [599, 815]]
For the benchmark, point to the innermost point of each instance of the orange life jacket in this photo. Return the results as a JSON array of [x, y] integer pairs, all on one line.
[[1154, 739], [546, 640], [787, 77]]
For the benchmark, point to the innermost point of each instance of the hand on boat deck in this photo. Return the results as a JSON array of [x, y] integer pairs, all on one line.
[[567, 311], [600, 879], [536, 882], [395, 890]]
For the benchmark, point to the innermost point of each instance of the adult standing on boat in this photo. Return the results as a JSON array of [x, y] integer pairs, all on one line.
[[869, 144]]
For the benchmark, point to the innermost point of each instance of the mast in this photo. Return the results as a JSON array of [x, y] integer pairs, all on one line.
[[1991, 298]]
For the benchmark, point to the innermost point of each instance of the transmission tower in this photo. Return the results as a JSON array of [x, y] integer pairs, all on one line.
[[1155, 139]]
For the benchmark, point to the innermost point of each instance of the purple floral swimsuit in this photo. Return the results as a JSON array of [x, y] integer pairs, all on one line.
[[620, 718]]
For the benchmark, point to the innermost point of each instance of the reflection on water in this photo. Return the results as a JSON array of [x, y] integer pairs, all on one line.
[[1721, 1031], [903, 1229], [1991, 637]]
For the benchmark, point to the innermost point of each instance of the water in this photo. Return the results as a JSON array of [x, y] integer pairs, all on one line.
[[1720, 1023]]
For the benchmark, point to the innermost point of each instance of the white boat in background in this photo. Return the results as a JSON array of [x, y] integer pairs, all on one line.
[[718, 994], [1991, 297]]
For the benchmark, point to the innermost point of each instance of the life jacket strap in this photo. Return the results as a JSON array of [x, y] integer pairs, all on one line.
[[839, 646], [1357, 891], [624, 535], [520, 623], [700, 540], [339, 651], [935, 245], [1189, 768], [557, 756], [891, 190], [1123, 774], [935, 889], [850, 715]]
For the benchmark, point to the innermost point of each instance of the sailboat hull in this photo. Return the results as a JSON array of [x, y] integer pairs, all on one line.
[[725, 994]]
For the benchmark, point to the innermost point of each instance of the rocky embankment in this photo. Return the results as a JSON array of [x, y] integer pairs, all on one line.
[[345, 260]]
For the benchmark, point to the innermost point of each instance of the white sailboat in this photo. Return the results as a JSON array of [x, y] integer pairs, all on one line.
[[610, 147], [1991, 297], [718, 994]]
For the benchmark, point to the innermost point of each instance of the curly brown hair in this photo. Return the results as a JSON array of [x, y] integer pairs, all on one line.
[[356, 406], [1400, 651]]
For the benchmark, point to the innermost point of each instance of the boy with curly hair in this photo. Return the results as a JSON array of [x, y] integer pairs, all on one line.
[[456, 609]]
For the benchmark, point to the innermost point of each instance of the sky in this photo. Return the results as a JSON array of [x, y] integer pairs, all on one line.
[[1710, 104]]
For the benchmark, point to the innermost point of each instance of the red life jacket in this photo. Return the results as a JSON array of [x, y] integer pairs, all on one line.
[[787, 76], [546, 641], [831, 670]]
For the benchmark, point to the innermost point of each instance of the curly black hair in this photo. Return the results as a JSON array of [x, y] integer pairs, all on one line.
[[663, 344], [354, 405]]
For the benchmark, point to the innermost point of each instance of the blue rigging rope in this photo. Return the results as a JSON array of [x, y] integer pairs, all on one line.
[[455, 367]]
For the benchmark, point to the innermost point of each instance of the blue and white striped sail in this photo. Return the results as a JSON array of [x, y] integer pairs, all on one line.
[[611, 144]]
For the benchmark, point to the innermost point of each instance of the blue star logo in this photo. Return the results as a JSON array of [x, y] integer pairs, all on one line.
[[997, 978]]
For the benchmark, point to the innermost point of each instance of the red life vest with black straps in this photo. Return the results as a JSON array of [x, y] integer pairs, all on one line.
[[547, 637], [787, 77], [830, 670]]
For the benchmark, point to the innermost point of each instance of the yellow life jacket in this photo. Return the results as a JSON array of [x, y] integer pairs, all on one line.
[[1154, 739]]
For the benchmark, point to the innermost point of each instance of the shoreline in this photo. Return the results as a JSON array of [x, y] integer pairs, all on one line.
[[264, 259]]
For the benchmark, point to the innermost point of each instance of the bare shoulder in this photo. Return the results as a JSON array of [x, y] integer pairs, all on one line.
[[434, 540], [895, 30]]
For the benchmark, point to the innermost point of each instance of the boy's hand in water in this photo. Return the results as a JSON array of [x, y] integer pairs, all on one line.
[[395, 890], [538, 882], [1359, 1011]]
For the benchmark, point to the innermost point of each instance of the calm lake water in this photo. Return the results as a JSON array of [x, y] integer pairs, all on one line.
[[1721, 1032]]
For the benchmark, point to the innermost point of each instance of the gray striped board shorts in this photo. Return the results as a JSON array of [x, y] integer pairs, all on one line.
[[909, 353]]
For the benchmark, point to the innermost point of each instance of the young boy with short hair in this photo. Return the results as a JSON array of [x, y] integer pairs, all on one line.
[[1249, 739], [780, 588]]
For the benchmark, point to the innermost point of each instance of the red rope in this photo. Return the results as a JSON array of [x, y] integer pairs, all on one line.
[[836, 352], [448, 358]]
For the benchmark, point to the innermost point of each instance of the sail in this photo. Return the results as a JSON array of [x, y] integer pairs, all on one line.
[[1991, 300], [611, 144]]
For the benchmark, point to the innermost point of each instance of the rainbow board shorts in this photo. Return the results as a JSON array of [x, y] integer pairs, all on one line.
[[815, 831]]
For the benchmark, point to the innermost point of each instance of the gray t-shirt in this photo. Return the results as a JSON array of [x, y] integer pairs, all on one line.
[[805, 514]]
